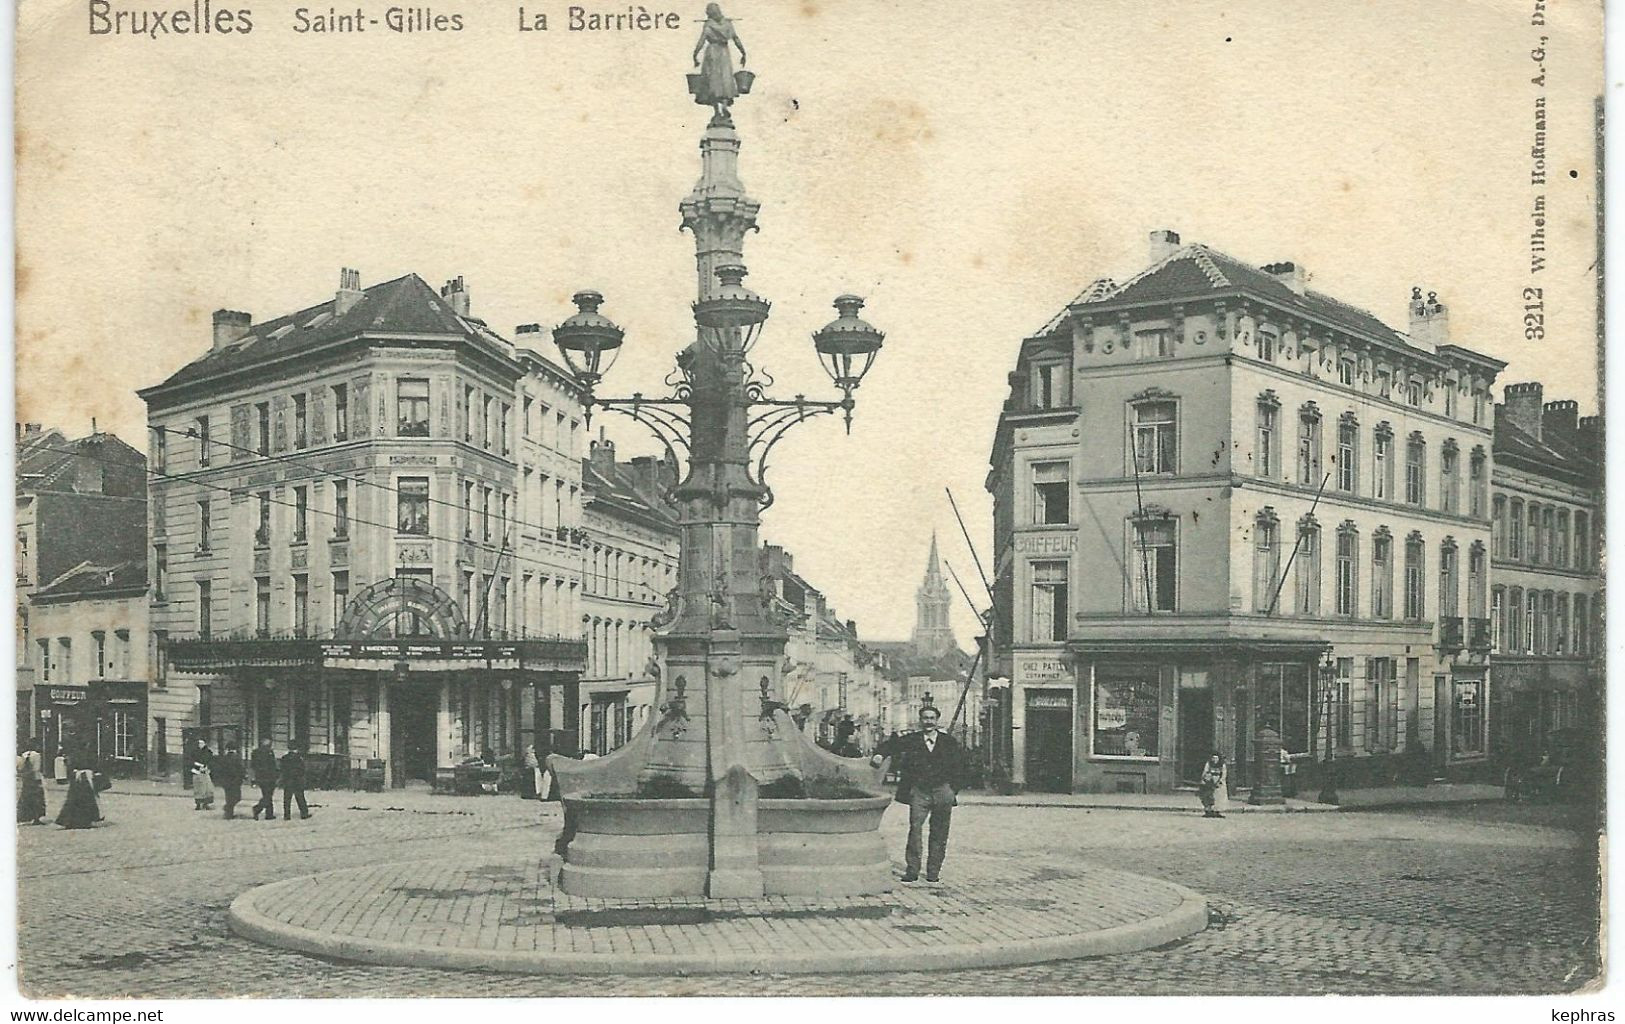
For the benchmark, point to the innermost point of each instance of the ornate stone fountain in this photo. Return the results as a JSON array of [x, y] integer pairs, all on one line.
[[720, 794]]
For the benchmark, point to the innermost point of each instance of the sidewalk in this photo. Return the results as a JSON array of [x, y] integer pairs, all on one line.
[[1383, 798]]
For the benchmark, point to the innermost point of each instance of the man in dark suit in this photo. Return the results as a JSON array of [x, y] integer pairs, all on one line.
[[293, 781], [931, 769], [263, 763]]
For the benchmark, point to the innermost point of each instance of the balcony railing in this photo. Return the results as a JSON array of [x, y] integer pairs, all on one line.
[[1450, 633], [1478, 635]]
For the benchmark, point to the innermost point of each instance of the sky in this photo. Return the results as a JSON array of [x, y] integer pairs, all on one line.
[[967, 168]]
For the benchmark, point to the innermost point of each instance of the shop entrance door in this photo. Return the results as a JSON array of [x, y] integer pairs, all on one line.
[[1195, 732], [1049, 741], [413, 712]]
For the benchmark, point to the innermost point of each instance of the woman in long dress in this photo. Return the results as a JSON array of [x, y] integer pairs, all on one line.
[[717, 87], [1213, 789], [202, 781], [80, 809], [31, 792]]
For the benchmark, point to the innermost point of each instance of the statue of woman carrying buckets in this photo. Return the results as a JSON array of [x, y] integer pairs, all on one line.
[[716, 84]]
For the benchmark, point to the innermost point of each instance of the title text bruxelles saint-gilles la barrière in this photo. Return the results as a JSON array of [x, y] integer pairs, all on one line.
[[203, 17]]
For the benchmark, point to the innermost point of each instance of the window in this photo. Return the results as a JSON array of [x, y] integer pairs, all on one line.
[[501, 611], [124, 745], [485, 422], [339, 726], [1447, 580], [1155, 569], [1415, 465], [200, 427], [1548, 536], [1267, 346], [1306, 599], [525, 412], [301, 514], [1449, 458], [1546, 622], [99, 638], [1582, 542], [1309, 448], [203, 524], [341, 508], [1413, 393], [502, 516], [45, 659], [1560, 626], [1264, 459], [1475, 484], [1266, 561], [485, 515], [1478, 408], [412, 505], [1476, 576], [121, 653], [262, 532], [1156, 438], [504, 414], [1384, 383], [160, 449], [1345, 704], [1281, 701], [1382, 575], [301, 423], [205, 608], [301, 604], [1560, 547], [1531, 614], [468, 508], [160, 571], [1413, 578], [466, 595], [1347, 372], [1348, 552], [1498, 610], [1449, 400], [205, 705], [1127, 718], [341, 595], [1049, 599], [262, 606], [1381, 711], [1582, 627], [1348, 474], [1514, 637], [1051, 493], [1467, 717], [1382, 476], [1052, 385], [1153, 345], [160, 657], [412, 407], [341, 412], [263, 413]]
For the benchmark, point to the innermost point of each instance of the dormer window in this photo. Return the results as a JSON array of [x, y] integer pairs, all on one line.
[[1347, 372], [1155, 344], [1052, 385], [1267, 346]]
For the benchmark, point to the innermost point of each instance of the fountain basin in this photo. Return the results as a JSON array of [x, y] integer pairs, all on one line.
[[652, 848]]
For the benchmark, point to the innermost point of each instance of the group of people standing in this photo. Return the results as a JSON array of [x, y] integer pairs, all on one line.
[[79, 810], [227, 772]]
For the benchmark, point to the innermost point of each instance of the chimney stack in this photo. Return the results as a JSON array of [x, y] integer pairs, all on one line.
[[456, 295], [1561, 421], [1290, 274], [349, 292], [1164, 243], [230, 325], [1523, 407], [1430, 319], [602, 456]]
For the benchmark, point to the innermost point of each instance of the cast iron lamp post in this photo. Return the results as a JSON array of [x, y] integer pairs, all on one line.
[[1328, 773]]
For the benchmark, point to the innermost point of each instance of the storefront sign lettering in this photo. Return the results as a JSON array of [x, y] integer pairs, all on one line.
[[68, 696], [1046, 543], [1040, 670]]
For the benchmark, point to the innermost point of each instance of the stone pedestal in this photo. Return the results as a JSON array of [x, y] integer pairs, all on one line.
[[1266, 768]]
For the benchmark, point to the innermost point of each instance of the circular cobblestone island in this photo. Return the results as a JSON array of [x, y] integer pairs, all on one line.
[[508, 916]]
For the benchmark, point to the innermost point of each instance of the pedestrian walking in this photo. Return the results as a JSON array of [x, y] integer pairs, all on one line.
[[530, 779], [263, 764], [202, 781], [1213, 790], [228, 772], [931, 767], [31, 787], [293, 782], [80, 809]]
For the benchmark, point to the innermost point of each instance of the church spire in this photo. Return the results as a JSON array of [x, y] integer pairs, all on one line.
[[932, 633]]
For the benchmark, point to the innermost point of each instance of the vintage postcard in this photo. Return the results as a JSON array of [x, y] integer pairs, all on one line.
[[809, 497]]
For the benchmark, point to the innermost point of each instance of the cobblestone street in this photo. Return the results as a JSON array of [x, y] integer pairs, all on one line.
[[1475, 899]]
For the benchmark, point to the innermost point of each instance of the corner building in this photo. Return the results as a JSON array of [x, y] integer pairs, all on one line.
[[349, 504], [1223, 501]]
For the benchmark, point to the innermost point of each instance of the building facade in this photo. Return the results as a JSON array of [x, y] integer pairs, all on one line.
[[1225, 502], [1546, 607], [336, 537], [629, 565], [77, 501]]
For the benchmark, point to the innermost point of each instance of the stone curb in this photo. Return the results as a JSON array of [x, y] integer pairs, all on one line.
[[1189, 918]]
